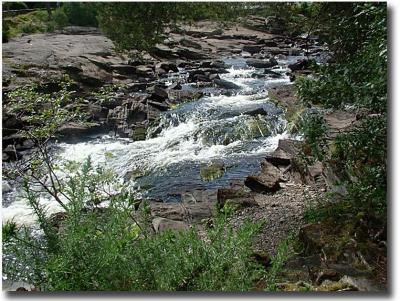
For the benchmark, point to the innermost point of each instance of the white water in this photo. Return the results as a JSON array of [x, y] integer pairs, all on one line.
[[172, 158]]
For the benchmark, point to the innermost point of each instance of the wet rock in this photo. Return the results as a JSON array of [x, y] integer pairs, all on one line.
[[160, 94], [161, 224], [213, 64], [300, 65], [159, 105], [178, 96], [168, 66], [214, 170], [225, 84], [272, 74], [257, 63], [175, 86], [266, 181], [255, 112]]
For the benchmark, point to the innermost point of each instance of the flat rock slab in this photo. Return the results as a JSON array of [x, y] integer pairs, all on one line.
[[161, 224]]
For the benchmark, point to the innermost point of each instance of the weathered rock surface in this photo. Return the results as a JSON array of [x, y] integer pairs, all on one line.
[[267, 180]]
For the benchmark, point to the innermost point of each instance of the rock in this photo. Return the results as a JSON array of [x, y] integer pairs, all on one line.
[[159, 105], [290, 146], [190, 54], [193, 210], [213, 170], [361, 284], [273, 74], [252, 48], [160, 94], [145, 71], [189, 43], [300, 65], [163, 52], [268, 43], [225, 84], [213, 64], [123, 69], [311, 237], [168, 66], [161, 224], [178, 96], [255, 112], [315, 170], [6, 187], [73, 129], [200, 196], [256, 63], [279, 157], [5, 157], [266, 181], [327, 274], [175, 86]]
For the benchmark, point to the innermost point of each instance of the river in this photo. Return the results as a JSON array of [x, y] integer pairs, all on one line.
[[217, 127]]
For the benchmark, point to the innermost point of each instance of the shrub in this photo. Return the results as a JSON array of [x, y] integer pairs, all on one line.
[[60, 18], [81, 13], [108, 250]]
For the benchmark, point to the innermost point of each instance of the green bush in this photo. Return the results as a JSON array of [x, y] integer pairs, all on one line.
[[81, 13], [108, 250], [356, 76], [60, 18]]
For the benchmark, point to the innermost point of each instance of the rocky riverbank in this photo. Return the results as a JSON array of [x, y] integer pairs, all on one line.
[[127, 96]]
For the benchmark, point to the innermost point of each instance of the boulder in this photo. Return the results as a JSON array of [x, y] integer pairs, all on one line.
[[225, 84], [272, 73], [279, 157], [266, 181], [257, 63], [300, 65], [160, 94], [256, 112], [161, 224]]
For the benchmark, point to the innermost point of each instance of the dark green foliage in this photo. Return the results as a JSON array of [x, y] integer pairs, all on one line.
[[14, 5], [101, 253], [140, 25], [81, 13], [108, 250], [315, 131], [356, 76]]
